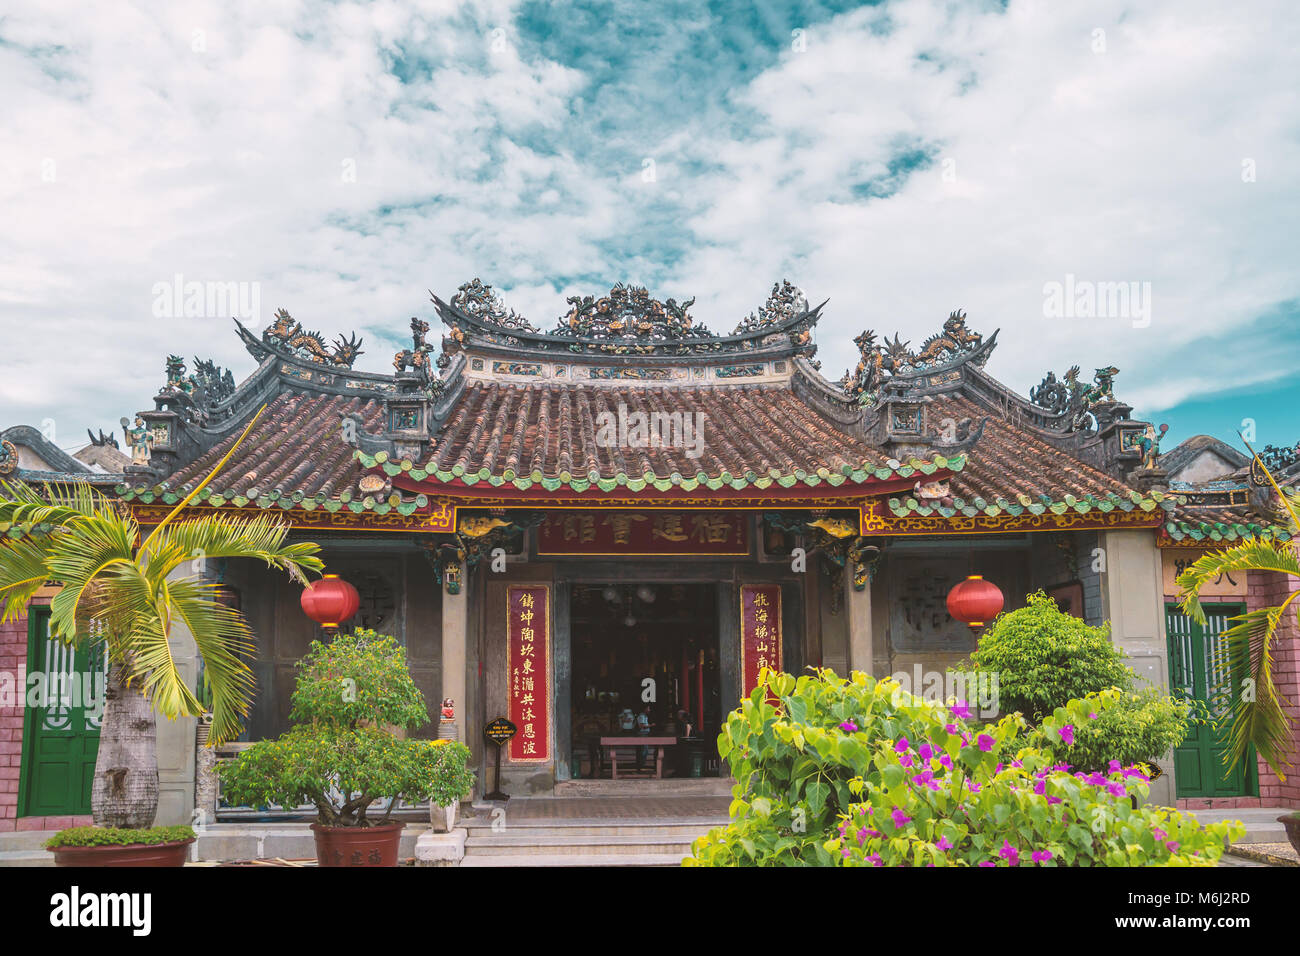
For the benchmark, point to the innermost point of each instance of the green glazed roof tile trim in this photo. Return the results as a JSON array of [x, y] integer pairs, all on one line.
[[579, 483], [910, 506], [1204, 530]]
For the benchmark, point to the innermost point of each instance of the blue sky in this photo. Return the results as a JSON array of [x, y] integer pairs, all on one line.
[[902, 159]]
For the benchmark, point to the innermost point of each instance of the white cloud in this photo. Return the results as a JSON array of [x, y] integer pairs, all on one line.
[[231, 162]]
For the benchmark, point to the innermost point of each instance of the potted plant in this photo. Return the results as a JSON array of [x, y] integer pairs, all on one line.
[[130, 589], [115, 846], [451, 782], [342, 756], [1291, 821]]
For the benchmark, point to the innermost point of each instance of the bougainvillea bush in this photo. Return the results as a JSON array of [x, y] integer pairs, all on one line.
[[858, 772]]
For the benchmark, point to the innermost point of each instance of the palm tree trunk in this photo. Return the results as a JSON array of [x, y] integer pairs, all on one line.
[[125, 790]]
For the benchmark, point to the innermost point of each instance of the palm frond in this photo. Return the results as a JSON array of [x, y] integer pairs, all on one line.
[[194, 493], [83, 552], [217, 536], [1259, 717], [147, 651], [223, 638], [1248, 556], [23, 571]]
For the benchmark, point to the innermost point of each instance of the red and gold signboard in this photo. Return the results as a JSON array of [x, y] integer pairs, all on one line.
[[760, 632], [644, 533], [528, 670]]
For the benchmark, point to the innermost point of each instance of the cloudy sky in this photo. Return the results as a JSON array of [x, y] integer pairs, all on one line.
[[902, 159]]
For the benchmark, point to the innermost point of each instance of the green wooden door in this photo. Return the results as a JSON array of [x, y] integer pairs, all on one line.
[[1195, 670], [61, 736]]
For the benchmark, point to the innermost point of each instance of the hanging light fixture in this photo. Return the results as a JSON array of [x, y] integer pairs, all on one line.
[[975, 601], [330, 601], [646, 593]]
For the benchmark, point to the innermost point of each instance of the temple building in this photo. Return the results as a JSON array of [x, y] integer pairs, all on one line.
[[617, 520]]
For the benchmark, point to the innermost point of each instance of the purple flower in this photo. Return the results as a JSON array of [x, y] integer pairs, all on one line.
[[1051, 800], [985, 863], [926, 751], [905, 759], [1113, 767], [952, 729], [960, 710], [974, 787], [902, 746], [1067, 735], [943, 844], [1042, 856], [862, 835], [985, 742], [901, 819], [1040, 788], [1172, 845], [1092, 716], [1158, 833], [945, 761], [875, 860], [845, 851], [1115, 789], [1010, 854], [849, 727]]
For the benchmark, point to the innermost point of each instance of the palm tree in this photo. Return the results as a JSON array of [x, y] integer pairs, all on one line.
[[133, 593], [1259, 716]]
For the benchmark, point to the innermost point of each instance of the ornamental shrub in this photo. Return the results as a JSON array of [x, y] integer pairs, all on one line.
[[1134, 727], [342, 755], [1044, 657], [858, 772], [118, 836]]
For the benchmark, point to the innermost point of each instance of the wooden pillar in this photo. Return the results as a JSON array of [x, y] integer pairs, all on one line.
[[455, 632], [561, 649], [728, 646], [857, 605]]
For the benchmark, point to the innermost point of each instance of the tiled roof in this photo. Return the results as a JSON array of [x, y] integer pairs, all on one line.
[[1215, 523], [295, 456], [547, 435], [1010, 470]]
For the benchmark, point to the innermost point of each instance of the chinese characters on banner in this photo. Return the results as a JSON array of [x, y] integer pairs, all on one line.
[[760, 632], [528, 670], [640, 533]]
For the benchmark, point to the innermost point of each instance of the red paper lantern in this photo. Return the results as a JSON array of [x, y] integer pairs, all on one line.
[[975, 601], [330, 601]]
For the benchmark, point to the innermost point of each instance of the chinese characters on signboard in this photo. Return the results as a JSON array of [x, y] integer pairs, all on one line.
[[639, 533], [528, 670], [760, 632]]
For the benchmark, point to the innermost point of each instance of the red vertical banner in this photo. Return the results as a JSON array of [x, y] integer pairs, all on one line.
[[528, 670], [760, 632]]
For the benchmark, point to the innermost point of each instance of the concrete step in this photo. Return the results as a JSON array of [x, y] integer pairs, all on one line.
[[26, 858], [556, 829], [676, 787], [590, 859], [24, 839], [221, 842], [510, 845], [1261, 822]]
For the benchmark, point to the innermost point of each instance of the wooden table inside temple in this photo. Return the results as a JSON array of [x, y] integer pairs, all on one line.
[[610, 746]]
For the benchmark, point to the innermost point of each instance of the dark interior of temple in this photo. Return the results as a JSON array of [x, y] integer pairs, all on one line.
[[645, 663]]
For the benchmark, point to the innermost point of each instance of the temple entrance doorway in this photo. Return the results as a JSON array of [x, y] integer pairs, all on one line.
[[646, 693]]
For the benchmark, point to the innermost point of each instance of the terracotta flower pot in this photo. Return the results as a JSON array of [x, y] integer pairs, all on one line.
[[1292, 823], [357, 846], [133, 854]]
